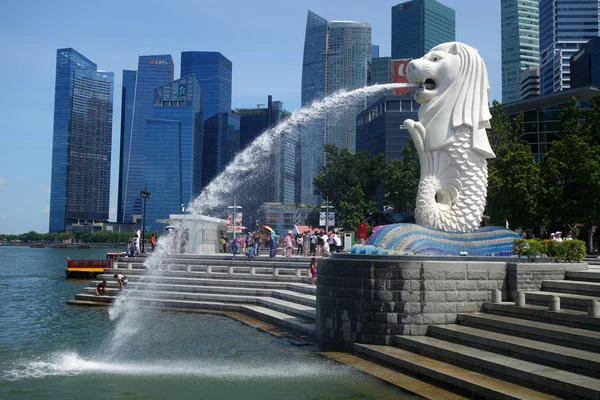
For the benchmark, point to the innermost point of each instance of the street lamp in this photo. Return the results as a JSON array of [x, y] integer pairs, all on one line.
[[234, 207], [144, 194], [327, 207]]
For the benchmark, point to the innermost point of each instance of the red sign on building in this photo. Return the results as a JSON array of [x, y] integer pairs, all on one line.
[[362, 231], [399, 75]]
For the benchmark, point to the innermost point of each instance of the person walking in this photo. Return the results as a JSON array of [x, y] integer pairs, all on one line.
[[313, 271], [153, 241], [300, 244], [289, 245], [313, 244], [273, 243], [234, 247]]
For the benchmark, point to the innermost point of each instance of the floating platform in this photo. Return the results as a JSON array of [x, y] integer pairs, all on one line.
[[412, 239]]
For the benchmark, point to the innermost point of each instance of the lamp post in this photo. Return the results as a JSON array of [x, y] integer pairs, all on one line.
[[326, 207], [144, 194], [234, 207]]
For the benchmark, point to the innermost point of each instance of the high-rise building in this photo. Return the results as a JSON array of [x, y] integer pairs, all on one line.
[[221, 144], [173, 149], [336, 57], [565, 26], [153, 71], [81, 145], [520, 44], [530, 82], [585, 65], [214, 73], [420, 25]]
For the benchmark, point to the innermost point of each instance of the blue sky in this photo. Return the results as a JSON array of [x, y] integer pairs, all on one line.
[[264, 39]]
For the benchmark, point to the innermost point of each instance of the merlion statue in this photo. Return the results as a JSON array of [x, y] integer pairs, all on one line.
[[450, 136]]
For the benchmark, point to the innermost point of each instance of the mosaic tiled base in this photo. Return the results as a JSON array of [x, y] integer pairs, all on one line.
[[411, 239]]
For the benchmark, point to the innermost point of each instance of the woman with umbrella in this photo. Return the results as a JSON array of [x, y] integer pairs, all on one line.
[[273, 241]]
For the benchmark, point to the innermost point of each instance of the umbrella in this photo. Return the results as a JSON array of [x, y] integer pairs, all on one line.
[[268, 228]]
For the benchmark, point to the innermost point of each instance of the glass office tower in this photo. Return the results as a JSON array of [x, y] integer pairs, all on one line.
[[153, 71], [565, 27], [127, 102], [420, 25], [336, 57], [214, 73], [520, 44], [221, 143], [173, 149], [81, 146]]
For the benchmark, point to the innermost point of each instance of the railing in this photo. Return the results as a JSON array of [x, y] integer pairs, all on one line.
[[225, 267]]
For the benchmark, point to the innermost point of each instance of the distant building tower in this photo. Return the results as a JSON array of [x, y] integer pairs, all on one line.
[[336, 57], [565, 27], [153, 71], [173, 149], [530, 82], [81, 145], [221, 144], [420, 25], [520, 44], [585, 65]]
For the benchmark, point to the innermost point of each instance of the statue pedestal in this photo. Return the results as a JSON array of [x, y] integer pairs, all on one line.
[[202, 232], [412, 239]]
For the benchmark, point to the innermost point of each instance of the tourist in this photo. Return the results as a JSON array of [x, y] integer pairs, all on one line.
[[313, 243], [568, 236], [338, 242], [234, 247], [289, 245], [320, 242], [273, 242], [331, 242], [251, 253], [558, 236], [101, 288], [153, 241], [256, 241], [121, 280], [313, 271], [130, 251], [248, 243], [223, 242], [136, 245], [300, 245]]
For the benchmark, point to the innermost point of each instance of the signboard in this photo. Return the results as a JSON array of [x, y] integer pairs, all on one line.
[[399, 75], [322, 216], [362, 231], [238, 222]]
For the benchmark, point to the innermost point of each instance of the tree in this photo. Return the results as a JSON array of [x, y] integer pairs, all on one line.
[[312, 219], [401, 179], [514, 181], [348, 176]]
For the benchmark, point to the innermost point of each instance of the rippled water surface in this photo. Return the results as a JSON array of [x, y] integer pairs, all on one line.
[[49, 350]]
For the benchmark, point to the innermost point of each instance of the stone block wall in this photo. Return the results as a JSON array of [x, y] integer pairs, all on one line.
[[529, 276], [369, 299]]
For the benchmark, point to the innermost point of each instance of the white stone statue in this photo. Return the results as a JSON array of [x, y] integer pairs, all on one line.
[[451, 137]]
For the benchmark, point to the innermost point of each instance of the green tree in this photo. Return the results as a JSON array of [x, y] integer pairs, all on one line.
[[401, 179], [514, 181], [346, 177], [312, 219]]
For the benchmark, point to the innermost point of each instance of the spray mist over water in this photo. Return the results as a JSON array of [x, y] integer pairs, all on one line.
[[130, 321]]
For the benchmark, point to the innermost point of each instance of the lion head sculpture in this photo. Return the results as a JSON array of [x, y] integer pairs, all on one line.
[[453, 91]]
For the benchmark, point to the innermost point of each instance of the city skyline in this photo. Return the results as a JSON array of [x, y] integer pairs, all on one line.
[[271, 65]]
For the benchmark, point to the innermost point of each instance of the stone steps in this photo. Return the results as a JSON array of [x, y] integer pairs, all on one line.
[[590, 275], [109, 273], [521, 372], [566, 317], [567, 300], [280, 305], [583, 339], [258, 311], [573, 287], [556, 356], [479, 385], [156, 288]]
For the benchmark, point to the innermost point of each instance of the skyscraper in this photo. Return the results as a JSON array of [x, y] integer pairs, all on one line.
[[221, 143], [565, 26], [420, 25], [173, 149], [81, 146], [520, 44], [153, 71], [214, 73], [336, 57]]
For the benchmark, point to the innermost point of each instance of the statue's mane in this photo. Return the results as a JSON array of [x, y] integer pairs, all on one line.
[[465, 101]]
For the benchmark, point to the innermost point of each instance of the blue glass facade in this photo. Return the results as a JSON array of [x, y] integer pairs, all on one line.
[[585, 65], [565, 27], [214, 74], [336, 57], [127, 102], [420, 25], [82, 137], [153, 71], [221, 143]]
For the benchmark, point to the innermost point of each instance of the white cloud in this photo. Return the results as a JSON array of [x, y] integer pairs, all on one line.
[[3, 183], [46, 209]]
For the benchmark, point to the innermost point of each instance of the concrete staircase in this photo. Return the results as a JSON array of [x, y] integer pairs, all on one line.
[[510, 351], [284, 298]]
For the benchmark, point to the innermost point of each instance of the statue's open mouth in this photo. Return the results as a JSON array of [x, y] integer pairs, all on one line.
[[428, 84]]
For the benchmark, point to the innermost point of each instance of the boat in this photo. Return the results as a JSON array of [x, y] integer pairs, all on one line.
[[36, 245], [89, 269], [59, 246], [84, 246]]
